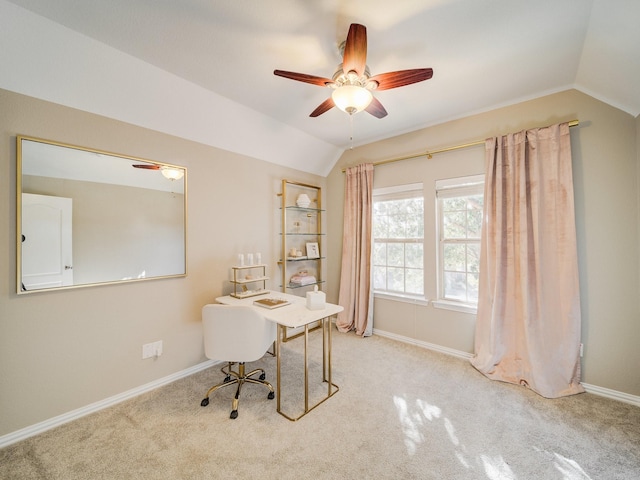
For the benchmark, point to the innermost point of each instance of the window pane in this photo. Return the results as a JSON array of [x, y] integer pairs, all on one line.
[[472, 287], [380, 208], [415, 281], [414, 255], [395, 227], [475, 202], [379, 277], [415, 206], [460, 213], [473, 257], [381, 227], [454, 203], [455, 224], [455, 287], [395, 279], [454, 257], [474, 223], [379, 255], [395, 254], [415, 226], [398, 248]]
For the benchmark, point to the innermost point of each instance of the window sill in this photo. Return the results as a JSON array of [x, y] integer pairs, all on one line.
[[455, 306], [401, 298]]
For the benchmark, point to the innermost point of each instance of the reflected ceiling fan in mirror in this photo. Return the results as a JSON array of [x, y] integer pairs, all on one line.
[[170, 173], [352, 83]]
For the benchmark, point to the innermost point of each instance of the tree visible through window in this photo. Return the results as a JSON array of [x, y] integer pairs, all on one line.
[[460, 204], [398, 240]]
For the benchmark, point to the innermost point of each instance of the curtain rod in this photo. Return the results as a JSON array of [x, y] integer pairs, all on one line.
[[429, 154]]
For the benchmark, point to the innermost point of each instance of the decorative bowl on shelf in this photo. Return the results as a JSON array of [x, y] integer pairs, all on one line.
[[303, 200]]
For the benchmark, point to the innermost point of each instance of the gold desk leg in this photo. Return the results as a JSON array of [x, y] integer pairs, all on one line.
[[306, 368], [332, 389], [328, 352], [278, 348]]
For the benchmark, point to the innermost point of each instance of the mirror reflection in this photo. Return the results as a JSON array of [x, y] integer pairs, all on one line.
[[88, 217]]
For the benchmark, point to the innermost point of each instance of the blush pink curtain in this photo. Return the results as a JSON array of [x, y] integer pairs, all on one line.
[[355, 277], [528, 323]]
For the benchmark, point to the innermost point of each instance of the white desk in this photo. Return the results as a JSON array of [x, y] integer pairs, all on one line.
[[296, 315]]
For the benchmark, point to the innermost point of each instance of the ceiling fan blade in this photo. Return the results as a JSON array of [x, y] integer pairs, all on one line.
[[323, 107], [355, 50], [401, 78], [303, 77], [147, 166], [376, 109]]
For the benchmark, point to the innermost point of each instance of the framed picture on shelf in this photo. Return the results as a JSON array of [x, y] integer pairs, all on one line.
[[313, 251]]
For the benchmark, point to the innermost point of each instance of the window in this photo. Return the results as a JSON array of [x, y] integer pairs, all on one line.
[[398, 240], [459, 205]]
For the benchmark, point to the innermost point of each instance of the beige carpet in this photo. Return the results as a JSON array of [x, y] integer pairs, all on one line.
[[402, 412]]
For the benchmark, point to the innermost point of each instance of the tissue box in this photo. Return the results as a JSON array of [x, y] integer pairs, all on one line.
[[316, 300]]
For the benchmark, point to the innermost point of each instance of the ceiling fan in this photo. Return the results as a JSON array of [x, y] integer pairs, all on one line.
[[352, 83]]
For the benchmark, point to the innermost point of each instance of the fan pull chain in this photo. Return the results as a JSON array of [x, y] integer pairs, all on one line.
[[351, 130]]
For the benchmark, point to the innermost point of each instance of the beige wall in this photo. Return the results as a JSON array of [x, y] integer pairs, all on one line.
[[605, 167], [63, 350]]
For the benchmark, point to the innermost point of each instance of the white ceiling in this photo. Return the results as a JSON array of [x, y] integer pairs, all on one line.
[[485, 54]]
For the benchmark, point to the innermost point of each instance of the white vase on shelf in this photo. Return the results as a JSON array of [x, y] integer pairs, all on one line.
[[303, 200]]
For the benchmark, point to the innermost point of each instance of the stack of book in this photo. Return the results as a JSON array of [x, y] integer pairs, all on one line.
[[271, 303]]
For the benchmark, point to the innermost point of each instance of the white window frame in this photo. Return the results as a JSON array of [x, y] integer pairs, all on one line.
[[448, 188], [399, 192]]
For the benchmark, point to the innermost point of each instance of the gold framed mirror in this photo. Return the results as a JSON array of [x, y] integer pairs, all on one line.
[[89, 217]]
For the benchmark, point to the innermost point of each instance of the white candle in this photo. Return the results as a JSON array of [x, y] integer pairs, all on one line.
[[258, 258], [249, 258], [240, 260]]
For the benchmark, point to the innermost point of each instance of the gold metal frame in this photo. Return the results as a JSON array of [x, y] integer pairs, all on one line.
[[19, 139], [283, 250], [332, 388]]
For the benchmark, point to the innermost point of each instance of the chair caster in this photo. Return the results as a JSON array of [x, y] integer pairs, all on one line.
[[204, 402], [227, 379], [263, 376], [234, 414], [271, 395]]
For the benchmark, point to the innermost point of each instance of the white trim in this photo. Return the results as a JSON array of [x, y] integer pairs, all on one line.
[[612, 394], [41, 427], [419, 343], [409, 187], [592, 389], [459, 182], [401, 298], [458, 307]]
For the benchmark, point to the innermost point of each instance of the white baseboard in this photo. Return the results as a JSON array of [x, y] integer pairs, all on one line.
[[41, 427], [594, 389], [613, 394], [427, 345]]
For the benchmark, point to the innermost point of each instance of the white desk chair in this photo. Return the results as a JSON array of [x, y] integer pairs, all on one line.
[[236, 334]]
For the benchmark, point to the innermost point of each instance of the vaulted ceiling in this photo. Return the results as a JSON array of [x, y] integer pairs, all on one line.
[[203, 69]]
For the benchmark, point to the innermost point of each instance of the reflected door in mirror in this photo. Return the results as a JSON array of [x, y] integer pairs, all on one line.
[[46, 242]]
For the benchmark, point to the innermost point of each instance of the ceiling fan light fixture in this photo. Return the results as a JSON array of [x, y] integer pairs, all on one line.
[[351, 98], [172, 173]]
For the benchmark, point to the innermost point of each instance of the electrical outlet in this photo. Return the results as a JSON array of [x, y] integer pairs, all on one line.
[[151, 350], [581, 349]]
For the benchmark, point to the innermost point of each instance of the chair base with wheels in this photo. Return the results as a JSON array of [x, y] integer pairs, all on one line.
[[240, 377], [236, 334]]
